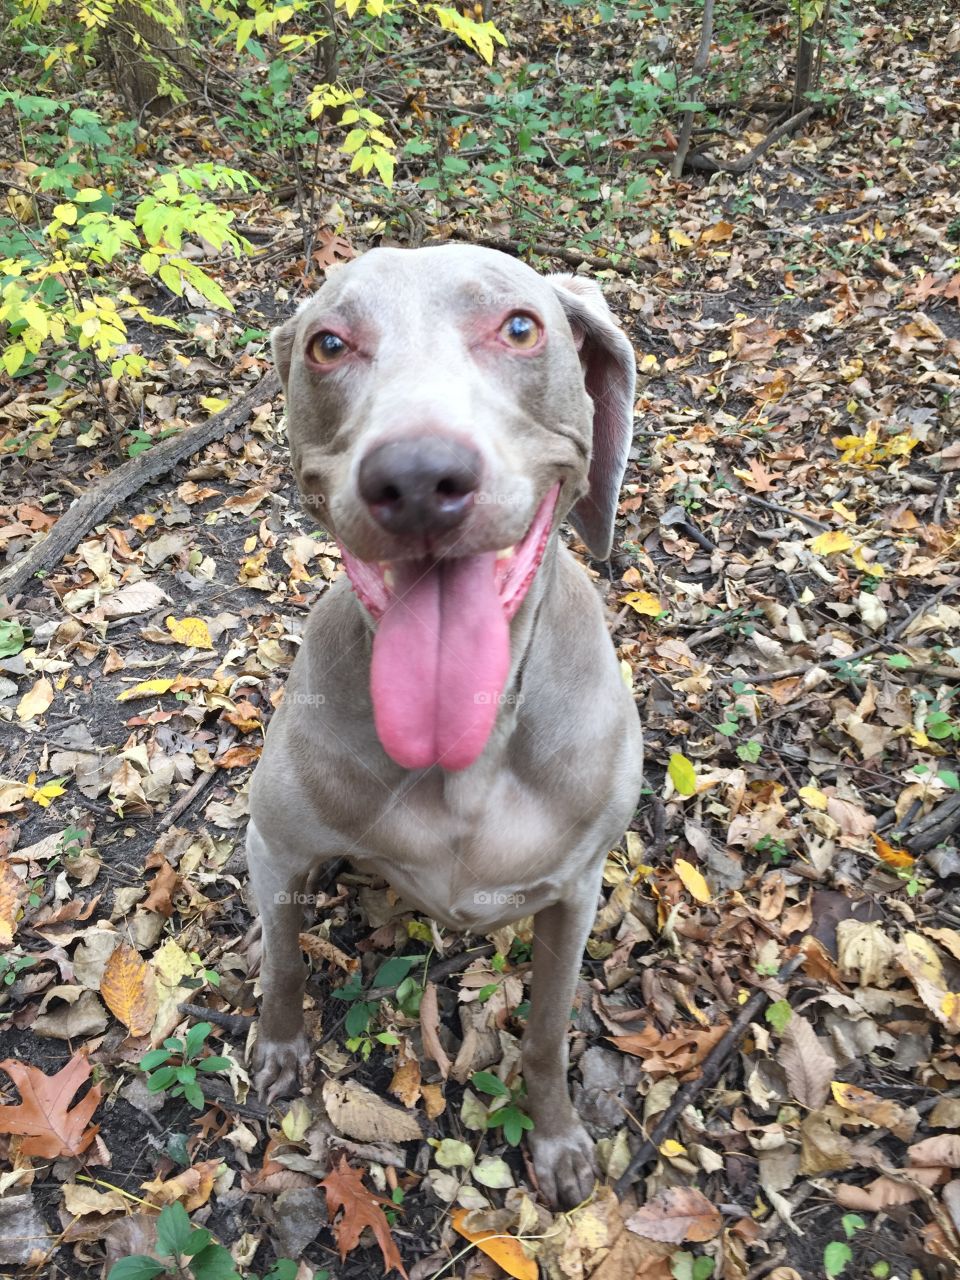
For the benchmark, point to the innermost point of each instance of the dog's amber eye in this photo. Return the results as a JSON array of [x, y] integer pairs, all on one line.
[[520, 331], [325, 348]]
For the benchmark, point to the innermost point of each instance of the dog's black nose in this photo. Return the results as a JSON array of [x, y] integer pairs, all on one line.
[[420, 486]]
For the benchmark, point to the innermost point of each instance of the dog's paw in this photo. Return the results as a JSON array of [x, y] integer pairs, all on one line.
[[565, 1164], [278, 1066]]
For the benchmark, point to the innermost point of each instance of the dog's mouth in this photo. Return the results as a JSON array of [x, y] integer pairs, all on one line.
[[441, 653]]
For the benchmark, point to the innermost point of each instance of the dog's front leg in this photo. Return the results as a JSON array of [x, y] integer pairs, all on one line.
[[562, 1150], [281, 1050]]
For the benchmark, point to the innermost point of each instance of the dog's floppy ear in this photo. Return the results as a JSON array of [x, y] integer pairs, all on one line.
[[281, 340], [610, 375]]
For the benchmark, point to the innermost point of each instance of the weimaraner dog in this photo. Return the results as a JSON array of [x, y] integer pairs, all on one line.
[[455, 721]]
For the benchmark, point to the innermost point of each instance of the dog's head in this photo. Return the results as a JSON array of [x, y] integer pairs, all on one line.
[[447, 407]]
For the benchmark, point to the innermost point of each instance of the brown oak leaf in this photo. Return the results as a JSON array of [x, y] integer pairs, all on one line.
[[44, 1118], [361, 1208]]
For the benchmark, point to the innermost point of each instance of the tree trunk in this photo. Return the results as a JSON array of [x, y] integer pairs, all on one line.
[[146, 47]]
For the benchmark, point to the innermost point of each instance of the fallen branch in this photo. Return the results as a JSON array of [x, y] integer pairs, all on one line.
[[105, 497], [625, 267], [706, 163], [699, 66], [713, 1065], [934, 829]]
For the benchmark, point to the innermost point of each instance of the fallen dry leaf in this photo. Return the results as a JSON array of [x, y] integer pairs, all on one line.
[[506, 1250], [676, 1215], [364, 1116], [191, 1187], [808, 1065], [129, 989], [44, 1119], [361, 1208], [884, 1112]]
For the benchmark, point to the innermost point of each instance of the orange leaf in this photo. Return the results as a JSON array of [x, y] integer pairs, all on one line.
[[506, 1251], [49, 1128], [891, 856], [129, 990], [361, 1208], [10, 889]]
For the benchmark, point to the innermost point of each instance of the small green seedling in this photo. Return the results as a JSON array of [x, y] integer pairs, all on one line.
[[192, 1253], [180, 1077], [506, 1115], [838, 1254], [407, 993]]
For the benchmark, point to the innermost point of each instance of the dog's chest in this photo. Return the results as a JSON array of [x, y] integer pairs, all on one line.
[[473, 859]]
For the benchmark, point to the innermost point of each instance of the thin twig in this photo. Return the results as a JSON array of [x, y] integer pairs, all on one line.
[[713, 1065]]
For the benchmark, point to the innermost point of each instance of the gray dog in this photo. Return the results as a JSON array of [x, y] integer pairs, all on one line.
[[455, 720]]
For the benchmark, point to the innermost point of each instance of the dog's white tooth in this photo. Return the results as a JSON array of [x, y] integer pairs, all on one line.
[[506, 552], [388, 578]]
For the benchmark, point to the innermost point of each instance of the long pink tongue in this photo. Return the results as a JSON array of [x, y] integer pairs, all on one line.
[[441, 655]]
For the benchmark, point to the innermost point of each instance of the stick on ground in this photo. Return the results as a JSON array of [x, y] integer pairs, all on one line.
[[97, 505], [714, 1063]]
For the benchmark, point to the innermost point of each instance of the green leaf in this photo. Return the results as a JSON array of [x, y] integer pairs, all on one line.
[[949, 778], [216, 1063], [358, 1018], [899, 660], [778, 1015], [487, 1082], [393, 971], [750, 751], [194, 1095], [835, 1258], [12, 638], [161, 1079], [282, 1269], [682, 774], [174, 1230], [155, 1058], [214, 1263], [195, 1038], [852, 1223], [139, 1267]]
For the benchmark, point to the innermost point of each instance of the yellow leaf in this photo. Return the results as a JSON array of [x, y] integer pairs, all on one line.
[[35, 701], [190, 631], [679, 240], [682, 774], [867, 566], [45, 795], [672, 1149], [716, 357], [693, 880], [829, 543], [67, 213], [172, 963], [813, 797], [644, 602], [891, 856], [506, 1251], [129, 989], [950, 1006], [212, 404], [145, 689]]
